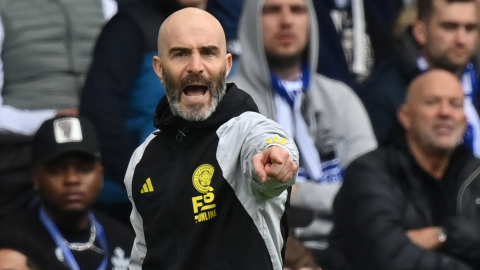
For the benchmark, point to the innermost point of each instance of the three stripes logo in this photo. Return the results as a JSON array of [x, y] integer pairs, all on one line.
[[147, 187]]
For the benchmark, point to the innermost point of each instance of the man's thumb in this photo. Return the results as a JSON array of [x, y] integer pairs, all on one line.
[[261, 173]]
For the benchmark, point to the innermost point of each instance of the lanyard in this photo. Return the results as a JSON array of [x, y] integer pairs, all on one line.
[[67, 253], [280, 89]]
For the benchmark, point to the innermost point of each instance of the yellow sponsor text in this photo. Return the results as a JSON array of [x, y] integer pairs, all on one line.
[[204, 216], [203, 206]]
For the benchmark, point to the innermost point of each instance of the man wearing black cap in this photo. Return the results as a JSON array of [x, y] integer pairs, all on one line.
[[68, 177]]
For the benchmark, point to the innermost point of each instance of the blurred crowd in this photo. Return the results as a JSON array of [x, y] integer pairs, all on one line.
[[381, 98]]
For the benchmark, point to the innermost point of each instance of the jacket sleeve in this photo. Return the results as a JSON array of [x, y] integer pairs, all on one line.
[[243, 137], [463, 238], [368, 212], [339, 110], [139, 249], [359, 135], [14, 120]]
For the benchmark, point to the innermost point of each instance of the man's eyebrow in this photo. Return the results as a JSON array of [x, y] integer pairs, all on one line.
[[178, 49], [210, 48], [271, 7]]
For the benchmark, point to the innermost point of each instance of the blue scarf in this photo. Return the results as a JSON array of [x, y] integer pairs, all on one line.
[[312, 167], [280, 89]]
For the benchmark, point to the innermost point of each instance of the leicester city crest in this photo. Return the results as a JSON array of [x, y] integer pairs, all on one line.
[[202, 177]]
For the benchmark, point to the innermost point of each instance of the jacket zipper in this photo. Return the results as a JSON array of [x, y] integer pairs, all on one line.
[[464, 187]]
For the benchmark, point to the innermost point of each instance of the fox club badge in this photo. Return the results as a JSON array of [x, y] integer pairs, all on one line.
[[202, 177]]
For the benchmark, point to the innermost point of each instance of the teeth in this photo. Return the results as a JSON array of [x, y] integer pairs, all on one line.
[[195, 96]]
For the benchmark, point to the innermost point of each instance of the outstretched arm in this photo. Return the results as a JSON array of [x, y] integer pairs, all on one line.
[[260, 153]]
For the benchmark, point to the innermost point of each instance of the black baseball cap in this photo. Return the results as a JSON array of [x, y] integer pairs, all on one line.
[[62, 135]]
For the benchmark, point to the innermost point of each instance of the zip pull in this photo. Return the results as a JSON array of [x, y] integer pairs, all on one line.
[[181, 134]]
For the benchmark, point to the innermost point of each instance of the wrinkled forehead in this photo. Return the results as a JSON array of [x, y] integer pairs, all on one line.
[[193, 31]]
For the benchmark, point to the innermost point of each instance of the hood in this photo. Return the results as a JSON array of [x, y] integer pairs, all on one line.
[[234, 103], [253, 62]]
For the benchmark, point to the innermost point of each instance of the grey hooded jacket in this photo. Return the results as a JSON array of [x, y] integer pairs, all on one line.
[[337, 119]]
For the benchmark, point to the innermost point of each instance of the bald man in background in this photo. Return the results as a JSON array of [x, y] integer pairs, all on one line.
[[209, 187], [413, 203]]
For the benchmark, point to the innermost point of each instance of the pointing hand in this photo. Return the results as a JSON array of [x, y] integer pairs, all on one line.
[[274, 162]]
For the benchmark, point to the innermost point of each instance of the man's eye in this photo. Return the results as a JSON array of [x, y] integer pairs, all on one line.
[[179, 54], [457, 104], [430, 102], [209, 53], [271, 10], [471, 27], [450, 26], [299, 10], [54, 170], [85, 167]]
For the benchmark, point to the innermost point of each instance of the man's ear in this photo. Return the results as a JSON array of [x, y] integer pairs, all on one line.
[[101, 171], [229, 63], [403, 116], [419, 32], [158, 67]]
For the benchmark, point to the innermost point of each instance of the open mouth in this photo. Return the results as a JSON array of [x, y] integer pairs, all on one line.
[[195, 90]]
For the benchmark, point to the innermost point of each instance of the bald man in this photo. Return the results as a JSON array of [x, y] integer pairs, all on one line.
[[415, 202], [209, 187]]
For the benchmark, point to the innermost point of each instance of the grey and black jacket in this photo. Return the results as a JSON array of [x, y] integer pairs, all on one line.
[[385, 193], [196, 201]]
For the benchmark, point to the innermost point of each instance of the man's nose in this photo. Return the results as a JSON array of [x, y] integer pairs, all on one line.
[[195, 64], [445, 109], [71, 175], [286, 17], [461, 36]]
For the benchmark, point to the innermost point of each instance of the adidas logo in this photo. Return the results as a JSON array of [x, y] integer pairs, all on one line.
[[147, 187]]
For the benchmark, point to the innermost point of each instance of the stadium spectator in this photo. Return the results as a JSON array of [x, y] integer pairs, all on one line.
[[445, 35], [45, 49], [68, 177], [414, 202], [327, 120]]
